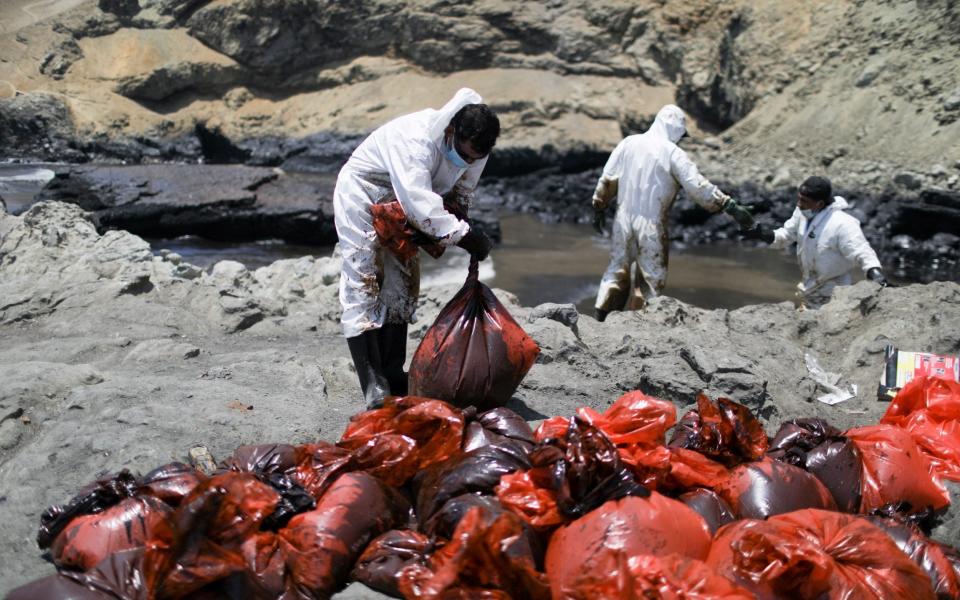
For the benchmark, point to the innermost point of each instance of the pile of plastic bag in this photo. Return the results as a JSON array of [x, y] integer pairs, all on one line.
[[420, 499]]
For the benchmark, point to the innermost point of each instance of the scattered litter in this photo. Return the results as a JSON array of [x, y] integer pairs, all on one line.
[[830, 382], [202, 460]]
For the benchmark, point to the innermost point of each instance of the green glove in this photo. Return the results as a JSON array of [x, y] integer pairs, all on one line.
[[740, 214]]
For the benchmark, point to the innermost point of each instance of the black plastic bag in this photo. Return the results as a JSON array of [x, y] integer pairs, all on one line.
[[815, 446], [475, 471], [498, 427]]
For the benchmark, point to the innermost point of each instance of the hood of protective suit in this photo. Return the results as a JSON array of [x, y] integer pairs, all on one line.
[[441, 118], [839, 203], [670, 123]]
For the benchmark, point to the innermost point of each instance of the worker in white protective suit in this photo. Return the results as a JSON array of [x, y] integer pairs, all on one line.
[[645, 173], [414, 159], [830, 243]]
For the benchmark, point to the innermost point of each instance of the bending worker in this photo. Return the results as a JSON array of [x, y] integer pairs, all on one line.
[[414, 159], [645, 173], [830, 243]]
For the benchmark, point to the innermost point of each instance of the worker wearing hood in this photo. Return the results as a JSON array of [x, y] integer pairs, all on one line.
[[414, 159], [830, 243], [645, 172]]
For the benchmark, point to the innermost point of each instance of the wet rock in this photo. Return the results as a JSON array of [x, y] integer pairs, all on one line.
[[37, 125], [215, 201], [908, 180], [565, 314], [120, 8]]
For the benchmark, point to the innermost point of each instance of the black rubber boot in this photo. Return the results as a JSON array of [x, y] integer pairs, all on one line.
[[365, 351], [393, 353], [601, 314]]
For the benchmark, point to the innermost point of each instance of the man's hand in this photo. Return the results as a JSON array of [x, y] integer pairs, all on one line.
[[876, 275], [741, 214], [759, 232], [476, 243]]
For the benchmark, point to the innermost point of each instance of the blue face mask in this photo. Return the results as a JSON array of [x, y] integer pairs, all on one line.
[[454, 157], [808, 213]]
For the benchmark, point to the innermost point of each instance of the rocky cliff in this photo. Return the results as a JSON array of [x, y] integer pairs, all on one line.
[[860, 90]]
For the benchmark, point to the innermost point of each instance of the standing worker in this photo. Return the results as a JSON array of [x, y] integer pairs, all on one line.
[[645, 173], [830, 243], [414, 159]]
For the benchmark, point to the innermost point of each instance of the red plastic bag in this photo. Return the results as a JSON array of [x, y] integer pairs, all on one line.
[[170, 483], [266, 564], [761, 489], [929, 408], [812, 554], [485, 558], [724, 431], [318, 465], [895, 470], [606, 539], [474, 354], [634, 418], [690, 469], [552, 428], [209, 528], [322, 545], [670, 577], [89, 539], [396, 234], [405, 436], [120, 575]]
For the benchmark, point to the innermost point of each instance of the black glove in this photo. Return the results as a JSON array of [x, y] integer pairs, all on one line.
[[876, 275], [476, 243], [600, 221], [759, 232], [421, 239]]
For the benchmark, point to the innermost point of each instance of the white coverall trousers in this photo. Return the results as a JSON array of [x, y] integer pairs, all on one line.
[[638, 259], [376, 287]]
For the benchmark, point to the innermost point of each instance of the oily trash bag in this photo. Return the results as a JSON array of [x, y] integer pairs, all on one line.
[[474, 353]]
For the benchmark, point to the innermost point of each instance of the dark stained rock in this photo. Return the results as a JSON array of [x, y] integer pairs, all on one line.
[[223, 202]]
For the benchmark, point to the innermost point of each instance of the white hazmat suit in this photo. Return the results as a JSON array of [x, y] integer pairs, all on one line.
[[829, 247], [403, 160], [647, 171]]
